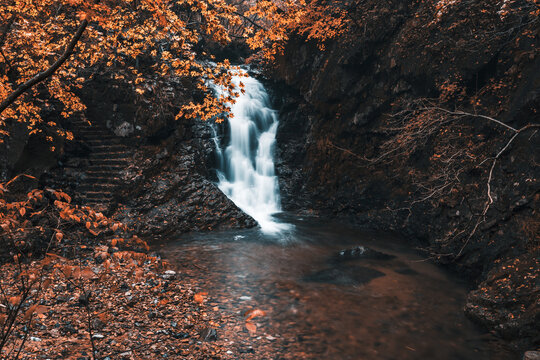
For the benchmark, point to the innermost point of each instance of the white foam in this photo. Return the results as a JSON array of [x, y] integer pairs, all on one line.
[[247, 175]]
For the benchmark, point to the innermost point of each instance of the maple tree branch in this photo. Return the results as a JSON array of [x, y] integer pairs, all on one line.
[[213, 7], [250, 21], [47, 73]]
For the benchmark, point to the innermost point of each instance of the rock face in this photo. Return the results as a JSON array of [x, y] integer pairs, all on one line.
[[170, 189], [336, 109]]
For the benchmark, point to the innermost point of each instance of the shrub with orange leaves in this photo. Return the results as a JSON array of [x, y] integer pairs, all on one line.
[[45, 241]]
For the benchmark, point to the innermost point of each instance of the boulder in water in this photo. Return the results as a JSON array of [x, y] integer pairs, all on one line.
[[344, 275], [360, 253]]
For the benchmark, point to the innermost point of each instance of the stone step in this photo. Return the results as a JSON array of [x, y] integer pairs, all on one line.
[[89, 133], [109, 155], [109, 162], [109, 147], [109, 178], [101, 195], [108, 174], [100, 141], [81, 125], [111, 169], [84, 188]]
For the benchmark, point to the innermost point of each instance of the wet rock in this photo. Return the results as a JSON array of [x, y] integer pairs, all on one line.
[[516, 316], [344, 275], [169, 274], [172, 193], [359, 253], [124, 130]]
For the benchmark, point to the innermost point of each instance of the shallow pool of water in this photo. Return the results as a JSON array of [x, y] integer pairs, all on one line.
[[322, 303]]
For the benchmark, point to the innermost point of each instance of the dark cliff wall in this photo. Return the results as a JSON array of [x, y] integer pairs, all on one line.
[[337, 109]]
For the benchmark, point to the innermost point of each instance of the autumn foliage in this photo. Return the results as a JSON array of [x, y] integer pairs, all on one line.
[[60, 250], [75, 38]]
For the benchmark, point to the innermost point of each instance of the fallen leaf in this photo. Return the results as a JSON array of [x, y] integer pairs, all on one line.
[[14, 300], [199, 297], [41, 309], [251, 314], [46, 284], [87, 273], [252, 328], [29, 312]]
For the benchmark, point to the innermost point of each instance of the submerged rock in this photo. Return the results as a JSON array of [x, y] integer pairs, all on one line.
[[344, 275], [359, 253]]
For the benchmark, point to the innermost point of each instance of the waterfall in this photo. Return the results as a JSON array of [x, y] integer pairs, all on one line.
[[246, 166]]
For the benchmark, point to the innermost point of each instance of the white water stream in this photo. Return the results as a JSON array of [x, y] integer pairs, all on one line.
[[246, 167]]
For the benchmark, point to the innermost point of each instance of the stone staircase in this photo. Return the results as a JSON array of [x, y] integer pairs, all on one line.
[[98, 174]]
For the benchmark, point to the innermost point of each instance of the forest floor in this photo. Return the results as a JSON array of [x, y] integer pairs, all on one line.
[[122, 308], [76, 284]]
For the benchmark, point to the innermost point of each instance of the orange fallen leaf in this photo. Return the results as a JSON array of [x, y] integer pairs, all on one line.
[[252, 328], [29, 312], [41, 309], [251, 314], [46, 284], [139, 274], [56, 256], [14, 300], [87, 273], [199, 297], [104, 317]]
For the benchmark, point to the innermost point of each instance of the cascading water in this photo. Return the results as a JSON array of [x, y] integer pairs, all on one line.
[[246, 166]]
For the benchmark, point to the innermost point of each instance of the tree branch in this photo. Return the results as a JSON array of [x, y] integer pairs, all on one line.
[[47, 73], [463, 113]]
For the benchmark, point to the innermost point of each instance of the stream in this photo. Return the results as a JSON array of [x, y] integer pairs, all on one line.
[[326, 290], [388, 303]]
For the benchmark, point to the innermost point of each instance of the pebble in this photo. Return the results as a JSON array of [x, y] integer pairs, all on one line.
[[245, 298], [33, 338], [169, 274]]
